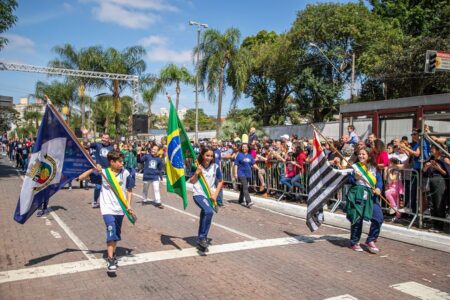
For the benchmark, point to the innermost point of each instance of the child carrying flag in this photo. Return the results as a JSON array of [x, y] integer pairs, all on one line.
[[211, 172], [113, 204]]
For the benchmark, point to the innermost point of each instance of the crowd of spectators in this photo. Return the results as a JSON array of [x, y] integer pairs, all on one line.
[[282, 165]]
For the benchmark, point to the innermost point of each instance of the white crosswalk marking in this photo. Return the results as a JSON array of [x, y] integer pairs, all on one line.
[[343, 297], [94, 264], [420, 291]]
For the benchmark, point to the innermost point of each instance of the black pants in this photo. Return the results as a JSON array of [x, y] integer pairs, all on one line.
[[436, 200], [243, 190]]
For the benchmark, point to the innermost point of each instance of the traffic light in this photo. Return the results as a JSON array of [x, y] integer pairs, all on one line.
[[430, 63]]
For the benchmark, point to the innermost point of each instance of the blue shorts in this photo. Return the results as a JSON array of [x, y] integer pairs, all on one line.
[[113, 227]]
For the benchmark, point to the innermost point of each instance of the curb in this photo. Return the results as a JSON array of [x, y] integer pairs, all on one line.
[[410, 236]]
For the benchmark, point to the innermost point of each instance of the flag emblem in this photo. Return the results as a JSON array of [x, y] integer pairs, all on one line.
[[174, 151], [42, 172]]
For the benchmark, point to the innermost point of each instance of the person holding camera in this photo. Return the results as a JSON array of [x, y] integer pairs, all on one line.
[[436, 169]]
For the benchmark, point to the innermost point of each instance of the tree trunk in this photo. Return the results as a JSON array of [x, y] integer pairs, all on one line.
[[219, 108], [149, 115], [116, 100], [178, 95], [82, 106]]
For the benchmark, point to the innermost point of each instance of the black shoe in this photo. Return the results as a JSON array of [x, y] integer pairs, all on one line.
[[111, 266], [202, 245]]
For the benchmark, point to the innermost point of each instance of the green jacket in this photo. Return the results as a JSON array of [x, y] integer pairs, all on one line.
[[359, 203], [130, 160]]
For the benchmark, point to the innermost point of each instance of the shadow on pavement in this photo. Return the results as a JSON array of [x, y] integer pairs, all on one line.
[[6, 170], [343, 243], [37, 260], [57, 207], [120, 251]]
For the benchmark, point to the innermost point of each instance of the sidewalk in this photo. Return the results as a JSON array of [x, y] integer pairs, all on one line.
[[412, 236]]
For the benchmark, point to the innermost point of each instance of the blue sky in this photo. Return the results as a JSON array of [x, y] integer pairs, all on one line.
[[160, 26]]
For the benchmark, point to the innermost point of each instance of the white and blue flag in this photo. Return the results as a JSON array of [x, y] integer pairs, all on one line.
[[55, 160]]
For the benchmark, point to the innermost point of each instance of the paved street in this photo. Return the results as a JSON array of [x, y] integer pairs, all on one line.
[[255, 254]]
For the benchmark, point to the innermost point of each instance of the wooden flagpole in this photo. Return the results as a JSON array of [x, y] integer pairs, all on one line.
[[350, 164]]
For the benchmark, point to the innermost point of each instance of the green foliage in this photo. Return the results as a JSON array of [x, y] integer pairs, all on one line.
[[89, 59], [8, 116], [7, 18], [416, 18], [271, 70], [424, 25], [60, 93], [205, 122], [222, 64], [172, 74]]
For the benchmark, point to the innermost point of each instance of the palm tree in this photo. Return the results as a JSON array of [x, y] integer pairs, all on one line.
[[129, 61], [60, 93], [172, 74], [33, 113], [86, 59], [222, 64], [149, 96]]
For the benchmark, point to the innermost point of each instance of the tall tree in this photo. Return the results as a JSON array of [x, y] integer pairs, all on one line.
[[221, 64], [7, 18], [87, 59], [172, 74], [33, 113], [130, 61], [270, 72], [423, 25], [62, 94], [8, 116], [149, 96]]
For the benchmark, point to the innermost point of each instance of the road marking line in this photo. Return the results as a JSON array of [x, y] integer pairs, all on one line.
[[84, 249], [343, 297], [55, 234], [213, 223], [81, 266], [420, 291], [47, 222]]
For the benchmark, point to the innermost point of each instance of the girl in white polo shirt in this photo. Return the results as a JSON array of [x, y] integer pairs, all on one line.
[[211, 172]]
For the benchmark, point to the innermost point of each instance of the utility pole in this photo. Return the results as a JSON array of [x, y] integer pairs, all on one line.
[[199, 28]]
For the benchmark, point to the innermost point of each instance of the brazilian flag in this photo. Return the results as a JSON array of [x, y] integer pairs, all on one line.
[[178, 149]]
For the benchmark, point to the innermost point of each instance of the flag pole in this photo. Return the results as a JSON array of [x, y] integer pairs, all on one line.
[[73, 136], [349, 163]]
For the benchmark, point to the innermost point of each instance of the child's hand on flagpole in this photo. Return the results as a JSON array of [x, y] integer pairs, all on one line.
[[199, 170], [358, 175], [98, 168], [377, 192]]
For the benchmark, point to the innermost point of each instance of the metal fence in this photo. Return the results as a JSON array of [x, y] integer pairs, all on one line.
[[414, 200]]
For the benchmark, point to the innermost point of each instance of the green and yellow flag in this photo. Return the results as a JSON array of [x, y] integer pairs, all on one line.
[[178, 149]]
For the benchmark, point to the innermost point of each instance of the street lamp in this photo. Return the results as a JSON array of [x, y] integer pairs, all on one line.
[[199, 28], [352, 86]]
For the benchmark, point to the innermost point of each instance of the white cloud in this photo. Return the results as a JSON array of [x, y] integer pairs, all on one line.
[[157, 5], [18, 42], [108, 12], [166, 55], [153, 40], [136, 14]]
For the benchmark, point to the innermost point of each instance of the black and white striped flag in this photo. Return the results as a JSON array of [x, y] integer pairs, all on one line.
[[324, 180]]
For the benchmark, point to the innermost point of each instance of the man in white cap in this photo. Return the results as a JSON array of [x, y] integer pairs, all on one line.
[[285, 138]]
